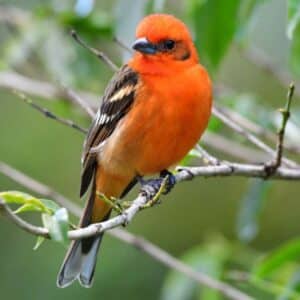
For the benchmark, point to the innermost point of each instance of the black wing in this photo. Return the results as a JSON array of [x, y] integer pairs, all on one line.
[[116, 102]]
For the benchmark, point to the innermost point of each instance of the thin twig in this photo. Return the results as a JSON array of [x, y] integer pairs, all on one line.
[[102, 56], [221, 115], [285, 112], [207, 157], [122, 44], [38, 187], [285, 117], [39, 231], [14, 81], [234, 149], [77, 99], [47, 113], [248, 124], [168, 260]]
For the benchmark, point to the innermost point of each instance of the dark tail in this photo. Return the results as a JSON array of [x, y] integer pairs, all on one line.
[[81, 258], [80, 262]]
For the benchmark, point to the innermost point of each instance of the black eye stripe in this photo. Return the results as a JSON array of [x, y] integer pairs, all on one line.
[[166, 45]]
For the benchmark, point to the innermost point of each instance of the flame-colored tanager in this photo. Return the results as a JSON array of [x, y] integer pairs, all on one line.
[[153, 111]]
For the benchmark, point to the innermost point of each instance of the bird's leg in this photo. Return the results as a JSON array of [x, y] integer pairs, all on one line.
[[153, 188], [112, 201]]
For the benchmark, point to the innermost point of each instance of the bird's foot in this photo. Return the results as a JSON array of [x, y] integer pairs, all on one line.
[[170, 181], [154, 188]]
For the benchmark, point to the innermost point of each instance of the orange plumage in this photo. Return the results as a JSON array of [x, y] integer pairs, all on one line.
[[153, 112]]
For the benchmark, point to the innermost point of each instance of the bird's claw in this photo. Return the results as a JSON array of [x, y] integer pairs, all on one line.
[[153, 188], [170, 181]]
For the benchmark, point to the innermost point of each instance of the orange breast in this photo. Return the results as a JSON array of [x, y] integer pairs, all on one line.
[[166, 121]]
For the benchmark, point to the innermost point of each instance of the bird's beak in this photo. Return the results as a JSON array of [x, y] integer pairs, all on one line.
[[144, 46]]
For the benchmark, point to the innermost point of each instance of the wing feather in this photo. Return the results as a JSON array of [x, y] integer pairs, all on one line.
[[116, 102]]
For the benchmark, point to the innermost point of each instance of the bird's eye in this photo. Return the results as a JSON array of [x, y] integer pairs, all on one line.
[[169, 44]]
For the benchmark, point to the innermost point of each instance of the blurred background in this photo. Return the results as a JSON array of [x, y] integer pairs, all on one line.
[[243, 231]]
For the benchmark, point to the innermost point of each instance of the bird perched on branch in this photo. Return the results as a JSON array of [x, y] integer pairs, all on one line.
[[154, 110]]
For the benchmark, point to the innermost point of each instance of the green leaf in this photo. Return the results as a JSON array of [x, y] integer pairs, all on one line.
[[293, 17], [294, 59], [15, 197], [39, 242], [293, 33], [251, 208], [245, 17], [29, 202], [28, 207], [289, 252], [96, 24], [187, 159], [155, 6], [214, 124], [292, 288], [209, 259], [215, 23], [58, 225], [51, 205]]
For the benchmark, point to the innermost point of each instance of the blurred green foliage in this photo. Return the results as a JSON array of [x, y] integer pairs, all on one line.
[[241, 231]]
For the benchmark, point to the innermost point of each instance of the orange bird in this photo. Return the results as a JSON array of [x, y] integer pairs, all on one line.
[[154, 110]]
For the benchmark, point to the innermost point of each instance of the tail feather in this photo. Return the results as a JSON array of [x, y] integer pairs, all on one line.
[[89, 263], [81, 258], [79, 264]]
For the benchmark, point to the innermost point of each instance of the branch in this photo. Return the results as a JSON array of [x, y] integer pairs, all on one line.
[[285, 117], [48, 114], [221, 115], [122, 45], [232, 148], [138, 242], [207, 157], [101, 55], [38, 187], [76, 98], [257, 129], [236, 169], [184, 173], [14, 81], [39, 231]]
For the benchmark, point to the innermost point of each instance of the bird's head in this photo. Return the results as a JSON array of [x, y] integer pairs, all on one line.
[[164, 38]]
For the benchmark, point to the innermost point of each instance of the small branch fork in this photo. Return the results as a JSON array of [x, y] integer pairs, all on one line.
[[283, 168]]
